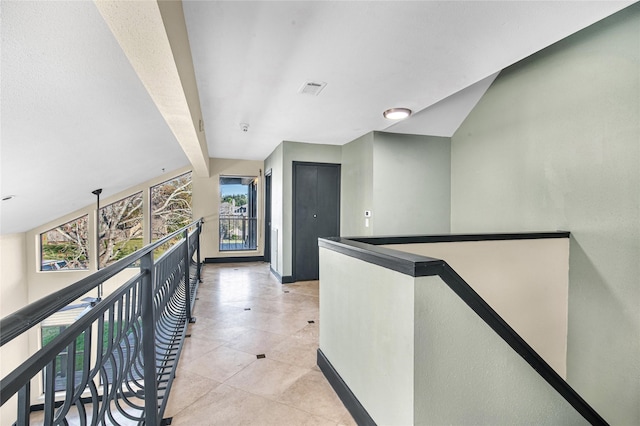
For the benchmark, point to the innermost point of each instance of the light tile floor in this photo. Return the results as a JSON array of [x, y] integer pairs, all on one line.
[[242, 311]]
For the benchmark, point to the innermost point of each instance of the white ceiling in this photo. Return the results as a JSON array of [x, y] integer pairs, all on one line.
[[76, 117]]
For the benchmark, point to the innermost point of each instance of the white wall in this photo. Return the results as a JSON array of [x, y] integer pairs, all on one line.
[[13, 273], [525, 281], [206, 204], [555, 144], [13, 295], [273, 165]]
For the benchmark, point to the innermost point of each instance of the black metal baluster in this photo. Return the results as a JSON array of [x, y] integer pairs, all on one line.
[[49, 391], [24, 405], [148, 342]]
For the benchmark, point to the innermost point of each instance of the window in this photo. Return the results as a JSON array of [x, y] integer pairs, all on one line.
[[238, 213], [65, 247], [53, 326], [170, 206], [50, 332], [120, 229]]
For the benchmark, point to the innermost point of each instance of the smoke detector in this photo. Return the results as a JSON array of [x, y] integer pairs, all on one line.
[[312, 88]]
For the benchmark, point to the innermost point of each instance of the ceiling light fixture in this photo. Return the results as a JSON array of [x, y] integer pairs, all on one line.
[[396, 113]]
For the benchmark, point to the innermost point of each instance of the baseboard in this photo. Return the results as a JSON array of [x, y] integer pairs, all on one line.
[[287, 279], [239, 259], [347, 397]]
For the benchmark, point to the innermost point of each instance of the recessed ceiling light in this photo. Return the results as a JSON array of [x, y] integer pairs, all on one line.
[[396, 113], [8, 197]]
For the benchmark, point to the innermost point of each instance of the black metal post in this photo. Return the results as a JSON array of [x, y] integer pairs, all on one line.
[[97, 193], [187, 279], [149, 342], [199, 229]]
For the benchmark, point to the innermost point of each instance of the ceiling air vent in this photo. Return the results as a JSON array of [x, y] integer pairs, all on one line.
[[312, 88]]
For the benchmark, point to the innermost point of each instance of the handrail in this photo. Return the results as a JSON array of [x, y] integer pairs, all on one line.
[[23, 319], [127, 370], [44, 355], [419, 266]]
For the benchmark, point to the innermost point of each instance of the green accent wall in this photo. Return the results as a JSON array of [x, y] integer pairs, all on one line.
[[356, 189], [404, 180], [411, 184], [555, 144]]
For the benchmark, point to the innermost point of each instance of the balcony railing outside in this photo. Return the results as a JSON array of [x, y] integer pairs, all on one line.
[[122, 353], [238, 233]]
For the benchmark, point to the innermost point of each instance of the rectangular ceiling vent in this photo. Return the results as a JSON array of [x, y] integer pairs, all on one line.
[[312, 88]]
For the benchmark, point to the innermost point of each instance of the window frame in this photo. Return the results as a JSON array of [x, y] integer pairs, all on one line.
[[84, 251], [251, 216], [152, 214], [141, 222]]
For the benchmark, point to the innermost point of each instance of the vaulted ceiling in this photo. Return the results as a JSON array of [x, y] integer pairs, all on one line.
[[101, 95]]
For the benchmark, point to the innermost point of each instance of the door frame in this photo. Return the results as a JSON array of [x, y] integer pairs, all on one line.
[[267, 216], [294, 166]]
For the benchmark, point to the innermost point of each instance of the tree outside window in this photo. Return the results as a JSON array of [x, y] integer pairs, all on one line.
[[120, 232], [66, 246], [170, 207]]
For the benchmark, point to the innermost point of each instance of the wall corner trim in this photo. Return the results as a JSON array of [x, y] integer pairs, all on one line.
[[287, 279]]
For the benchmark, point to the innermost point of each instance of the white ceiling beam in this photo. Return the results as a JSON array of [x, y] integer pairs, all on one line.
[[153, 36]]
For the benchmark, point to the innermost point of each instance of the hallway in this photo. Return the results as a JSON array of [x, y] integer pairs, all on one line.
[[243, 313]]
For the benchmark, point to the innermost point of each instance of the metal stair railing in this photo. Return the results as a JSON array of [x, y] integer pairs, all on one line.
[[122, 353]]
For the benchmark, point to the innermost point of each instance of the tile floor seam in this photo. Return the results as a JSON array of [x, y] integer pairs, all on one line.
[[236, 373], [194, 402], [223, 381], [278, 401]]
